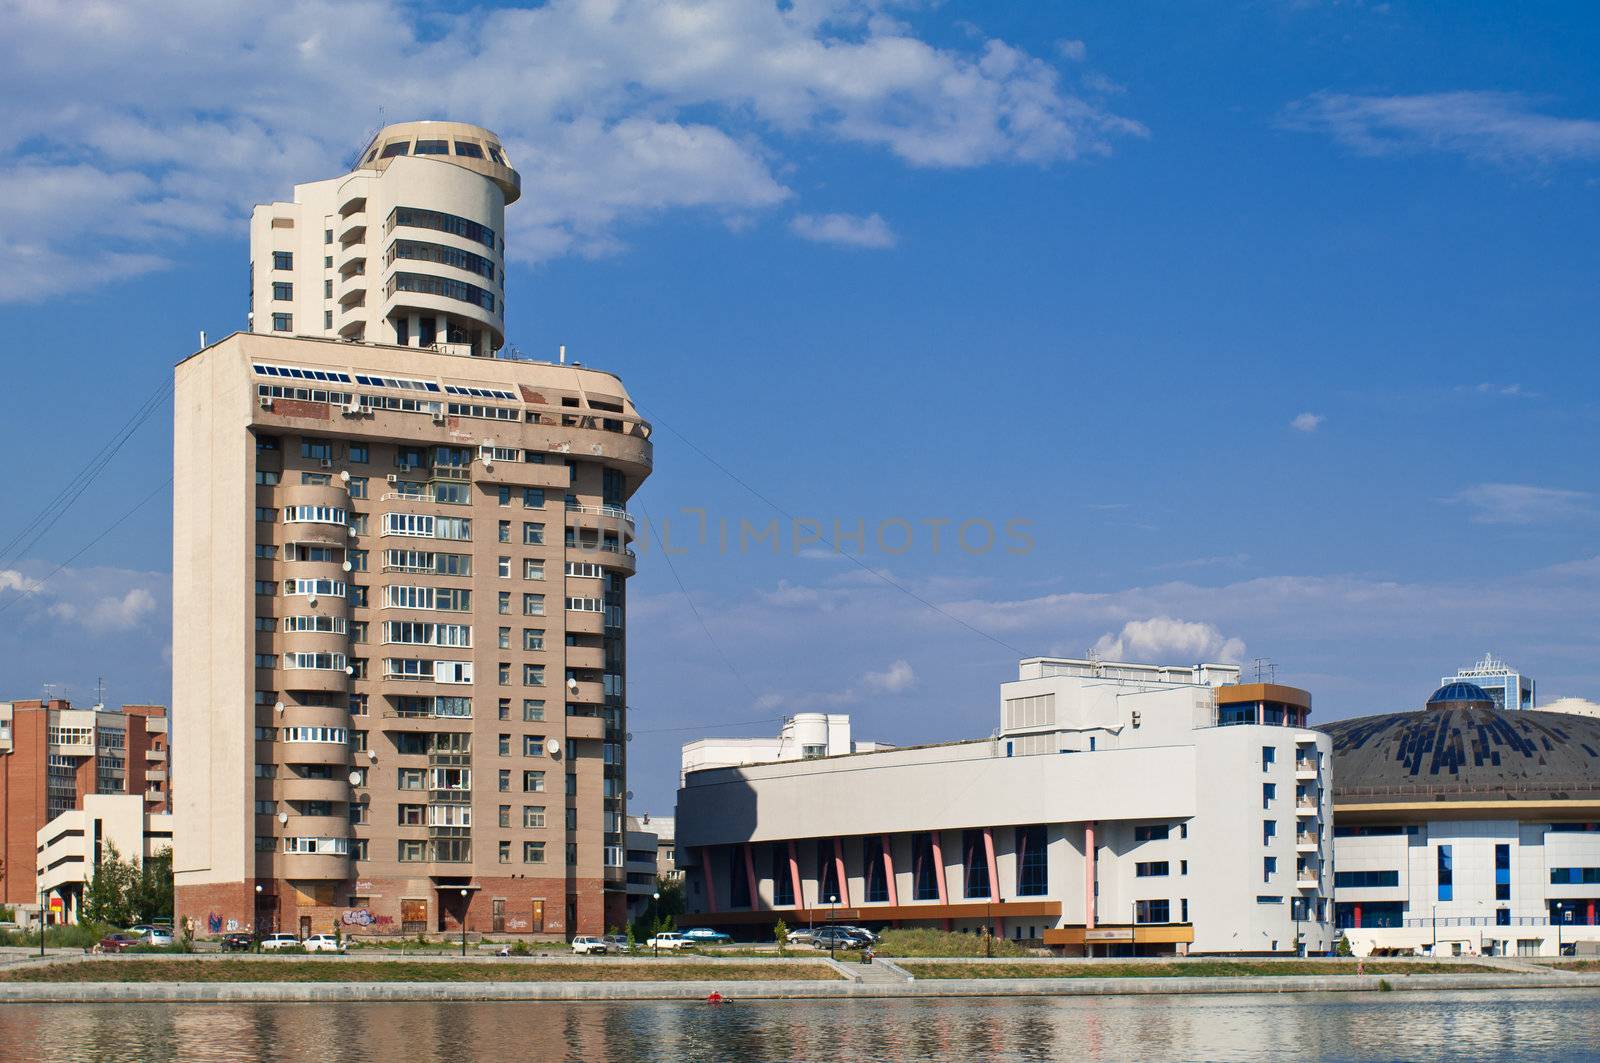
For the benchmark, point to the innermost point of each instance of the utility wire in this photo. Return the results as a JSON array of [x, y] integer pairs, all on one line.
[[884, 577]]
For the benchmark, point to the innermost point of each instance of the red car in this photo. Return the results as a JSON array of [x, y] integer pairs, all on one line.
[[119, 942]]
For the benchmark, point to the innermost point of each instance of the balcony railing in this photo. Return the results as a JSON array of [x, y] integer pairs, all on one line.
[[612, 512]]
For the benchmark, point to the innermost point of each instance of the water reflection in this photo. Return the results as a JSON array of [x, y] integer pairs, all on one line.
[[1454, 1026]]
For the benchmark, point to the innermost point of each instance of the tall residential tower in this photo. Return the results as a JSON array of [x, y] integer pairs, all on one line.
[[399, 570]]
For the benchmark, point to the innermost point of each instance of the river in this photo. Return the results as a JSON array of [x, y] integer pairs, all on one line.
[[1522, 1024]]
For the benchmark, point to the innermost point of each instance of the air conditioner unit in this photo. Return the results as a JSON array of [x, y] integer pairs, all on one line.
[[266, 402], [327, 463], [354, 407], [438, 417], [393, 478]]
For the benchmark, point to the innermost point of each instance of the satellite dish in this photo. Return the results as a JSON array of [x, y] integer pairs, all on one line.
[[572, 684], [630, 795], [348, 567], [355, 778], [349, 669], [283, 817], [311, 600], [345, 476], [552, 746], [630, 736], [372, 754], [279, 706], [352, 532]]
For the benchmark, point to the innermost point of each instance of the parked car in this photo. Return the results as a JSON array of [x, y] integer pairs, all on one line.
[[617, 943], [119, 942], [142, 928], [324, 943], [275, 942], [867, 937], [583, 945], [669, 941], [238, 943], [836, 937], [802, 937], [157, 935], [705, 936]]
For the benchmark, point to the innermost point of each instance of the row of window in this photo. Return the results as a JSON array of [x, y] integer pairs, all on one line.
[[455, 672], [418, 251], [316, 515], [334, 735], [419, 633], [440, 222]]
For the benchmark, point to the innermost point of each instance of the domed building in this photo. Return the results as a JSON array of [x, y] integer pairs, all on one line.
[[1464, 828]]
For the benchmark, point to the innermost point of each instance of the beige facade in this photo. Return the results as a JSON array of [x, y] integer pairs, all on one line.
[[399, 598], [72, 845], [407, 249]]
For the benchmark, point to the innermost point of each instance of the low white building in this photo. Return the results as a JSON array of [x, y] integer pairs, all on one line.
[[1118, 808], [1463, 829], [72, 845]]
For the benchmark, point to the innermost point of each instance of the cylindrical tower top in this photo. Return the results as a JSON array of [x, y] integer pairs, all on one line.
[[457, 143]]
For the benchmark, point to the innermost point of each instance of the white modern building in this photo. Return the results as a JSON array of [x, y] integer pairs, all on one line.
[[1465, 830], [1509, 688], [807, 735], [1117, 809], [72, 846]]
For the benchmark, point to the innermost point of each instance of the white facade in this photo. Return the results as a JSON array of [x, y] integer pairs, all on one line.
[[1106, 802], [1509, 688], [72, 845], [1512, 888], [807, 735]]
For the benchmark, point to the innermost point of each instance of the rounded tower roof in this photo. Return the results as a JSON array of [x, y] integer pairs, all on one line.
[[456, 143], [1460, 693]]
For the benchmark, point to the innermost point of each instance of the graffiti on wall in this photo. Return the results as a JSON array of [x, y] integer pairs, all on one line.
[[365, 917]]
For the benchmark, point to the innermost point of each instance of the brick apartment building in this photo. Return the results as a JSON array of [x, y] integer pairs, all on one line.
[[52, 756]]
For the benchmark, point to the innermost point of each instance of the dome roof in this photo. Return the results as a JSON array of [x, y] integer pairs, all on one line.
[[1462, 748], [1460, 691]]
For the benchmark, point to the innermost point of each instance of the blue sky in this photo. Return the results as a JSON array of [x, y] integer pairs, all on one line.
[[1275, 320]]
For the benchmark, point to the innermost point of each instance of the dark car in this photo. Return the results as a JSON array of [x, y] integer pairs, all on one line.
[[120, 942], [238, 943]]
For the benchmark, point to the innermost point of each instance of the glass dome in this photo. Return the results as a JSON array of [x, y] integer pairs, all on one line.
[[1459, 692]]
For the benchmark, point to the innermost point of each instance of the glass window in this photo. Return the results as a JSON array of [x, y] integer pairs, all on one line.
[[533, 852], [533, 497], [359, 453], [282, 323], [1269, 757], [468, 150], [532, 709], [532, 568], [398, 147], [283, 260], [1151, 869], [432, 147], [532, 533], [1446, 873], [975, 860], [533, 638], [283, 292]]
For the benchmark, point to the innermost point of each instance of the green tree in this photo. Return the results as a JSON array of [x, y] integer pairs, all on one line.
[[106, 900], [151, 894], [780, 934]]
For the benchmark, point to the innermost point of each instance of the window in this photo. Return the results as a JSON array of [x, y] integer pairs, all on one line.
[[532, 568], [469, 150], [533, 638], [533, 675], [1502, 872], [410, 815], [533, 605], [975, 861], [1269, 831], [429, 219], [504, 496], [282, 322], [1269, 757], [1151, 832], [1447, 874], [503, 567], [412, 851], [533, 852], [409, 779], [503, 709], [533, 745], [1269, 867], [505, 531], [1152, 911], [533, 498], [1569, 876], [503, 674], [327, 323], [533, 816], [505, 852], [504, 780], [283, 292], [1269, 793], [503, 602], [1183, 867], [1365, 879], [503, 638], [1033, 866], [283, 260], [1150, 869], [532, 534], [533, 782], [532, 710]]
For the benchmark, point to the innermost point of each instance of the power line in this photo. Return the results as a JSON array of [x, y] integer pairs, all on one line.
[[879, 574]]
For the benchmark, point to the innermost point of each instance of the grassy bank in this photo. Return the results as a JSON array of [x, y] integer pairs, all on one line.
[[347, 970], [897, 943], [1186, 969]]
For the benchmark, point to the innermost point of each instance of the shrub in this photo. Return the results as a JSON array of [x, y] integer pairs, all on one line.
[[521, 949]]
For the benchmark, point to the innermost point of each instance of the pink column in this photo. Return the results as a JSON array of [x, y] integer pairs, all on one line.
[[888, 871], [750, 877], [1088, 875], [794, 875], [938, 871], [994, 878], [838, 864], [711, 880]]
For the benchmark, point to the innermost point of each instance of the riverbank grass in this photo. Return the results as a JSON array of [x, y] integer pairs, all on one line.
[[131, 969]]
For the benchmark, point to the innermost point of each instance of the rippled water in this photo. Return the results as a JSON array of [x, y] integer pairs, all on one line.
[[1526, 1024]]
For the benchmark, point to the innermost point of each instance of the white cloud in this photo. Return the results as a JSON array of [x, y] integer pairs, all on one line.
[[1499, 127], [1502, 503], [1072, 50], [12, 580], [129, 128], [1509, 391], [1307, 422], [846, 230], [898, 677], [1162, 639]]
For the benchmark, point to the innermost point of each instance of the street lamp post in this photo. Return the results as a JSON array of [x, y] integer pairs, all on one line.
[[463, 924], [655, 922], [1297, 904], [833, 940], [257, 922], [1434, 949], [1566, 917], [42, 909]]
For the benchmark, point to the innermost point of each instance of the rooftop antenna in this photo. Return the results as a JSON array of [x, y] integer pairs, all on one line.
[[100, 681], [49, 693], [1266, 670], [202, 339], [563, 354]]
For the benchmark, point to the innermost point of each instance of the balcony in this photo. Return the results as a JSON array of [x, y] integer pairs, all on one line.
[[1305, 771], [1307, 842], [613, 514], [585, 727], [1306, 881], [1305, 808]]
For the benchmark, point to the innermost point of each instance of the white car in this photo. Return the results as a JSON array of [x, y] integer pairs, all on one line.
[[588, 946], [275, 942], [669, 941], [323, 943]]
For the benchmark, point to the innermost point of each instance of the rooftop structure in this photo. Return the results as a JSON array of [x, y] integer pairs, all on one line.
[[807, 735], [1506, 687]]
